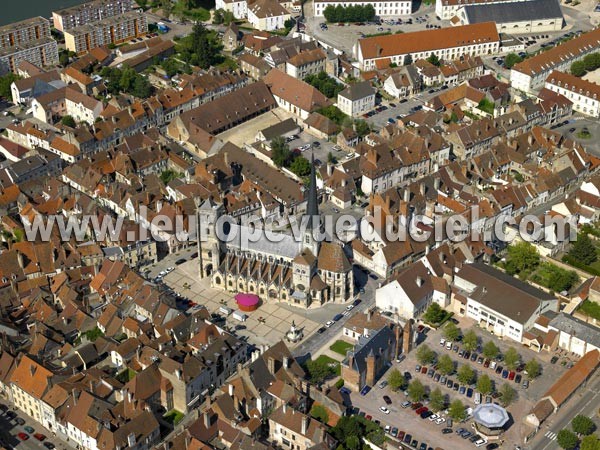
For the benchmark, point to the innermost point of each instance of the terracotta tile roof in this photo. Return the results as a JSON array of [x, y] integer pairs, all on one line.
[[31, 377], [573, 378], [427, 40], [332, 258], [574, 84], [294, 91], [308, 57]]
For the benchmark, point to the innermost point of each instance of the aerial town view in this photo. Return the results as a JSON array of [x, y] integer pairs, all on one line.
[[300, 224]]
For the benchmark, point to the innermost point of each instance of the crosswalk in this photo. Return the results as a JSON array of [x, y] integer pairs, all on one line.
[[551, 435]]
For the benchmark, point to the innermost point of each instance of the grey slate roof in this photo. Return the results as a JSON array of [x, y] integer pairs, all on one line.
[[367, 345], [513, 12], [573, 326], [356, 91]]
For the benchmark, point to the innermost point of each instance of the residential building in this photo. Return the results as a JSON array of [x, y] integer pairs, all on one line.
[[499, 302], [365, 324], [254, 66], [306, 63], [232, 38], [382, 8], [403, 83], [29, 382], [90, 12], [294, 95], [573, 334], [28, 40], [446, 43], [239, 8], [111, 30], [531, 16], [584, 94], [293, 429], [357, 99], [530, 75], [49, 108], [267, 15]]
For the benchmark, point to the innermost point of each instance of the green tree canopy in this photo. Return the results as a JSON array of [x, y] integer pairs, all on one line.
[[437, 400], [396, 380], [416, 391], [68, 121], [508, 394], [352, 13], [457, 411], [522, 257], [567, 439], [578, 68], [590, 442], [451, 332], [319, 370], [433, 59], [533, 369], [583, 425], [424, 354], [583, 249], [511, 59], [465, 374], [434, 314], [5, 83], [490, 350], [470, 340], [300, 166], [280, 151], [484, 384], [445, 365], [512, 358], [201, 48]]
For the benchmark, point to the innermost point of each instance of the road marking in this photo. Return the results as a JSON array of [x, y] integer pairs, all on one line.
[[550, 435]]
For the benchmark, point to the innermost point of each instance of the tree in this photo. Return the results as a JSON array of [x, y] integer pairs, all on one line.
[[170, 66], [280, 151], [484, 384], [434, 314], [319, 370], [362, 127], [141, 87], [512, 59], [63, 58], [457, 411], [583, 249], [169, 175], [490, 350], [5, 83], [416, 391], [451, 332], [522, 257], [425, 355], [567, 439], [437, 400], [533, 369], [507, 393], [300, 166], [583, 425], [68, 121], [591, 61], [470, 340], [201, 48], [445, 365], [578, 68], [466, 375], [590, 442], [396, 380], [433, 59], [320, 413], [512, 358]]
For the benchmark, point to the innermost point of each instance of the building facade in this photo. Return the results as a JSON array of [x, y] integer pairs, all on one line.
[[382, 7], [89, 12], [584, 94]]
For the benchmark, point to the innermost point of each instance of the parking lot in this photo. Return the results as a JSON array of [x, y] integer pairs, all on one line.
[[17, 430], [405, 419]]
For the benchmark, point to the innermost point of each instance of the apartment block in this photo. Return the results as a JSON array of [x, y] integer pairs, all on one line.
[[382, 7], [90, 12], [584, 94], [28, 40], [113, 30]]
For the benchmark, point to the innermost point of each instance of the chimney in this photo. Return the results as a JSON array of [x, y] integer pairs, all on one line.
[[286, 362], [304, 425], [226, 158], [271, 365], [206, 418], [406, 195], [329, 169], [420, 281], [231, 390], [284, 407], [369, 313]]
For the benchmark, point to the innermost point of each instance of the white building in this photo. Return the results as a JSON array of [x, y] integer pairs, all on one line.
[[446, 43], [531, 74], [267, 15], [584, 94], [498, 302], [382, 7], [357, 99], [447, 9], [239, 8]]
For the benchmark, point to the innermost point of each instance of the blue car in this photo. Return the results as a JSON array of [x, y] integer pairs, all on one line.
[[505, 373], [461, 390], [365, 390], [345, 390], [469, 393]]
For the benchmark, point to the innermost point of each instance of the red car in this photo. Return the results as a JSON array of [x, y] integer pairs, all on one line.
[[39, 436], [511, 375], [368, 417], [421, 410], [416, 405], [401, 435], [23, 436], [486, 363], [424, 369]]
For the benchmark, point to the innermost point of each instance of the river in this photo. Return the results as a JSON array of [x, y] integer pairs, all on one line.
[[14, 10]]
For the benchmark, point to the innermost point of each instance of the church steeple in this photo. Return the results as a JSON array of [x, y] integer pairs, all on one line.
[[312, 208]]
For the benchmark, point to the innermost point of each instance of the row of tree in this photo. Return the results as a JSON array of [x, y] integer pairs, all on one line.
[[581, 436], [587, 64], [325, 84], [353, 13], [126, 80]]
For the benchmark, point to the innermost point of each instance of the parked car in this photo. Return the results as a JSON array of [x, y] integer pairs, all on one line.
[[23, 436], [511, 375], [29, 429], [383, 384], [401, 435], [525, 384], [469, 392], [387, 400], [39, 436], [417, 368], [49, 445], [384, 410], [462, 390], [446, 430], [505, 374], [364, 391]]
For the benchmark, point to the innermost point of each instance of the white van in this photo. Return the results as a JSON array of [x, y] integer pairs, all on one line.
[[477, 398], [225, 310]]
